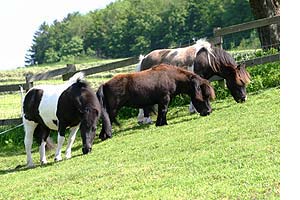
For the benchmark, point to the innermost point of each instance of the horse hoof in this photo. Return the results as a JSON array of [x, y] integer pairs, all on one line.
[[44, 162], [57, 159], [31, 165], [68, 156]]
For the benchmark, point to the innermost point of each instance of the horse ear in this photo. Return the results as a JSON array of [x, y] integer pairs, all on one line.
[[241, 66], [208, 90]]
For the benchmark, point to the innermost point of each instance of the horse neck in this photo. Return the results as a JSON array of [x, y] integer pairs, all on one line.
[[184, 86]]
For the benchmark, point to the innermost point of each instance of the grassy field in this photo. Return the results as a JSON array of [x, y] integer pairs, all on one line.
[[232, 154]]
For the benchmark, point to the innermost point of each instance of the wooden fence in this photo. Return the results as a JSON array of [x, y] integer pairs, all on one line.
[[68, 71]]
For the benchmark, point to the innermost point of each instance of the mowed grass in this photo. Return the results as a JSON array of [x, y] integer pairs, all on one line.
[[232, 154]]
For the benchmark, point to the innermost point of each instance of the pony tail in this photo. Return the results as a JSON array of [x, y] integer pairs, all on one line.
[[22, 99], [106, 123], [138, 67], [101, 98], [76, 77]]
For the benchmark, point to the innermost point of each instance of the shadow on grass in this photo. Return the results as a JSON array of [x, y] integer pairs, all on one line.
[[22, 168]]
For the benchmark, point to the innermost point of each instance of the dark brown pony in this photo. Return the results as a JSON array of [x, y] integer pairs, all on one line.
[[205, 61], [157, 85]]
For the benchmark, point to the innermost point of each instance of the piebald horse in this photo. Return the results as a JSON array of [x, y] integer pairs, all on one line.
[[71, 105], [204, 60]]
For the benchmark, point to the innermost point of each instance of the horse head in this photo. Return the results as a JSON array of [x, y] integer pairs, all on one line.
[[237, 81], [202, 93], [88, 127]]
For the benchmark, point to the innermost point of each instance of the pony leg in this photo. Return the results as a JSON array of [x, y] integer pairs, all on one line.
[[147, 119], [192, 108], [43, 153], [60, 142], [41, 133], [29, 127], [162, 112], [106, 130], [71, 140], [140, 116]]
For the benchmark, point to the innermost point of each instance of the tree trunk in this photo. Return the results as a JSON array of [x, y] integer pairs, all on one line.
[[269, 35]]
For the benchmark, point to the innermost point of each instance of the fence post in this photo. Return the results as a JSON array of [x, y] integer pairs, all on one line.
[[28, 83], [218, 42], [69, 74]]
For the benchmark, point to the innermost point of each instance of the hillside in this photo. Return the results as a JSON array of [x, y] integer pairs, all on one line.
[[232, 154]]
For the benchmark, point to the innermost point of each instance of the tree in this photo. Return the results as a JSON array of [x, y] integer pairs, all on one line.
[[269, 35], [40, 45]]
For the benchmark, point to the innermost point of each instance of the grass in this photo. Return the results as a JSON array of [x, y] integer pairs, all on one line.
[[10, 103], [232, 154]]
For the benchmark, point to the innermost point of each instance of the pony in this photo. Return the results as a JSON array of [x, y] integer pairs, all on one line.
[[157, 85], [204, 60], [71, 105]]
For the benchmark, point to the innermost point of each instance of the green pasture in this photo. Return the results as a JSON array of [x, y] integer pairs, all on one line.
[[232, 154]]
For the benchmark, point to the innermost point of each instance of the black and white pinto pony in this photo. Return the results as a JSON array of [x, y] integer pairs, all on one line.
[[157, 85], [71, 105], [204, 60]]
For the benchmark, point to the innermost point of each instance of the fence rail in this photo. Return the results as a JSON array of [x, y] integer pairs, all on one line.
[[246, 26], [13, 88], [104, 67], [68, 71]]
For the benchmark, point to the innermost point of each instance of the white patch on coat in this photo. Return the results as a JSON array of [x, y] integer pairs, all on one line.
[[29, 127], [43, 153], [60, 142], [71, 140], [49, 101]]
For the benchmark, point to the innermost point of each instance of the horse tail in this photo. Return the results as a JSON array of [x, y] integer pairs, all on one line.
[[22, 99], [106, 123], [138, 67], [203, 44], [76, 77]]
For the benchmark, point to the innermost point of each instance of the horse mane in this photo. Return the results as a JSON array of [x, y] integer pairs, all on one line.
[[79, 76], [204, 44], [223, 58], [138, 67], [243, 75]]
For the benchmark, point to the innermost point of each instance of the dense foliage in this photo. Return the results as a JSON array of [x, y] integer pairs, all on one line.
[[131, 27]]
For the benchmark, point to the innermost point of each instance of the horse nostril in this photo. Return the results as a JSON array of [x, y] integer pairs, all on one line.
[[86, 150], [205, 113]]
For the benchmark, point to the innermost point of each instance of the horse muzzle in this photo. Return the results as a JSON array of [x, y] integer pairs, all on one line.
[[205, 113], [242, 99], [86, 150]]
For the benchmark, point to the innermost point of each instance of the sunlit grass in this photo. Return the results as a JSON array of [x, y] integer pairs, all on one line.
[[232, 154]]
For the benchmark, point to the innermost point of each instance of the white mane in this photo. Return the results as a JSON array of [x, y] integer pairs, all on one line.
[[138, 67], [75, 77], [203, 43]]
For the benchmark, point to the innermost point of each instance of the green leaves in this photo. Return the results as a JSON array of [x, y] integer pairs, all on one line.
[[130, 28]]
